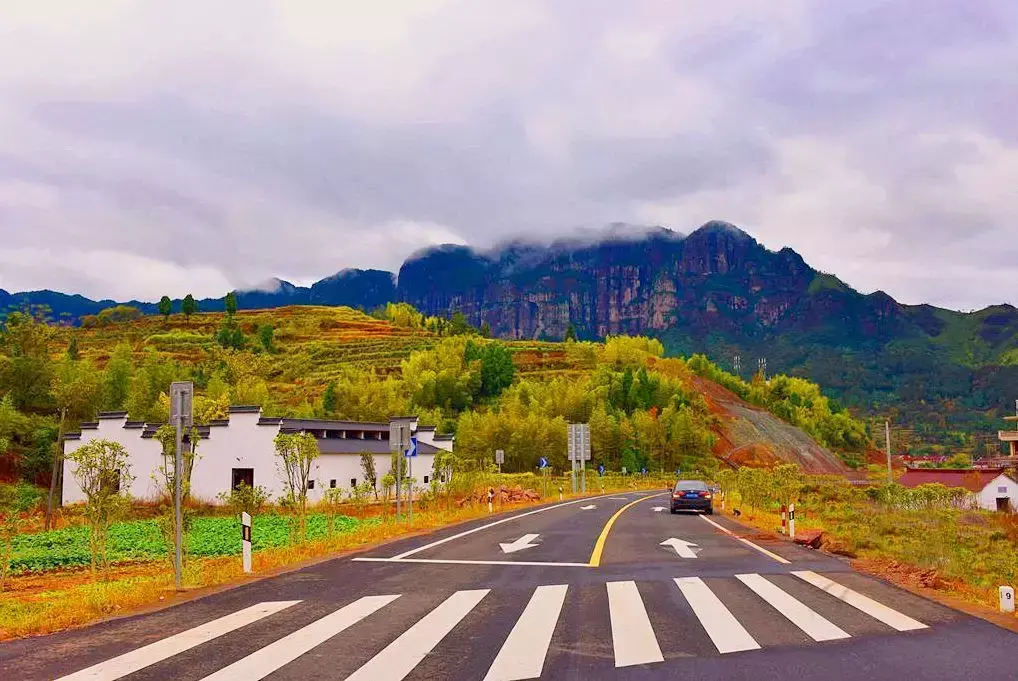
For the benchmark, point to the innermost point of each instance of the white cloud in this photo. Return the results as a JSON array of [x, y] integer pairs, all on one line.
[[296, 138]]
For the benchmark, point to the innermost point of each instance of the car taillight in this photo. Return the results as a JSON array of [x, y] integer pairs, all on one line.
[[676, 495], [705, 495]]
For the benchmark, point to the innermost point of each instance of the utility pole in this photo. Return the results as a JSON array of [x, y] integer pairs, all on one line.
[[738, 366], [887, 437]]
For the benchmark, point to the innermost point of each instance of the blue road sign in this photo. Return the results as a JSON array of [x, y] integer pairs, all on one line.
[[644, 471], [542, 462], [600, 469], [413, 448]]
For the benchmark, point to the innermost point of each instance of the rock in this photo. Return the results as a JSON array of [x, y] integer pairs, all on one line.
[[810, 538]]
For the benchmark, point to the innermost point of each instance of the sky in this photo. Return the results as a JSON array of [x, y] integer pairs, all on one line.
[[170, 147]]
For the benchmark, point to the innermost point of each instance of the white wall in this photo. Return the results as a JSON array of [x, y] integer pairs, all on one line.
[[145, 456], [241, 444], [987, 498]]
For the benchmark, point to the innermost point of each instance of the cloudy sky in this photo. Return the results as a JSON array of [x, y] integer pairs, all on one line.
[[167, 147]]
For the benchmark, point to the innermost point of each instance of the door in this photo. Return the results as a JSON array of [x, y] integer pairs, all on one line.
[[1004, 504]]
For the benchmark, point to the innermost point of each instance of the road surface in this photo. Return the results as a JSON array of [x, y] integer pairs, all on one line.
[[607, 588]]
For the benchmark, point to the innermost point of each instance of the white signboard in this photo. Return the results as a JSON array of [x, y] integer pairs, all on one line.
[[579, 442], [181, 394]]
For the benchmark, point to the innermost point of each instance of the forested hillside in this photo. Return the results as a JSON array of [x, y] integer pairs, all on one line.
[[645, 411], [943, 377]]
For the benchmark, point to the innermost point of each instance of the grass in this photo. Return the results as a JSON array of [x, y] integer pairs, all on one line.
[[59, 599], [963, 553]]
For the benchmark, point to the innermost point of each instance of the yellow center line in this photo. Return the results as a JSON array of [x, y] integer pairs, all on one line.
[[595, 557]]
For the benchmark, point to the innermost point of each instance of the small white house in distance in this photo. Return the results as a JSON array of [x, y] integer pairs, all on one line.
[[241, 449], [991, 488]]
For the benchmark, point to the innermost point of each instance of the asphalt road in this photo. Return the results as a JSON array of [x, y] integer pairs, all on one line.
[[574, 601]]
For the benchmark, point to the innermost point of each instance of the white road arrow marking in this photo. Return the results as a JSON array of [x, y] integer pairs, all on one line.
[[682, 547], [587, 507], [658, 509], [523, 542]]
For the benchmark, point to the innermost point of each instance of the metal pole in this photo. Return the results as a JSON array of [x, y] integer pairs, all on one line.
[[399, 478], [410, 486], [178, 538], [887, 435], [583, 475]]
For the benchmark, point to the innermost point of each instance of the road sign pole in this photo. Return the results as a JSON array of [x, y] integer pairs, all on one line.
[[178, 538], [245, 538], [410, 487], [583, 476]]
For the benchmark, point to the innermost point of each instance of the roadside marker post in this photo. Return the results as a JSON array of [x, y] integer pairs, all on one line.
[[1006, 599], [783, 518], [491, 496], [791, 521], [245, 539]]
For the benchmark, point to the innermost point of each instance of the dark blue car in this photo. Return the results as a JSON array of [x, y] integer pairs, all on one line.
[[692, 495]]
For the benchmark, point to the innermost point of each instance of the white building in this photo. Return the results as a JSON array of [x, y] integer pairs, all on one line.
[[240, 449], [990, 489]]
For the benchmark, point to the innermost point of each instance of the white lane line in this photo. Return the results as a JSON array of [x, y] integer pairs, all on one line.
[[746, 541], [452, 561], [523, 654], [263, 662], [489, 525], [401, 656], [632, 634], [128, 663], [728, 635], [815, 625], [888, 616]]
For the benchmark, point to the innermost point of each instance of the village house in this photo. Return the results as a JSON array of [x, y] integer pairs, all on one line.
[[991, 488], [241, 449]]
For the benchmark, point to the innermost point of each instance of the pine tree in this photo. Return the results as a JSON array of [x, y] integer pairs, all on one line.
[[329, 399], [570, 332], [165, 307], [72, 349], [231, 303], [189, 306]]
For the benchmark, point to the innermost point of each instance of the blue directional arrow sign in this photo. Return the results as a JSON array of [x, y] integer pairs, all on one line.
[[644, 471], [412, 451], [542, 462], [600, 469]]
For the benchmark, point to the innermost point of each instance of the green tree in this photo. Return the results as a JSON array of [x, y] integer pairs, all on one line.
[[329, 399], [230, 303], [27, 371], [485, 330], [497, 367], [102, 471], [458, 324], [117, 377], [265, 333], [189, 306], [370, 474], [165, 307], [72, 349], [295, 454], [570, 332]]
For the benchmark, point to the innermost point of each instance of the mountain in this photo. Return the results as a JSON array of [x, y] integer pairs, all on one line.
[[946, 374]]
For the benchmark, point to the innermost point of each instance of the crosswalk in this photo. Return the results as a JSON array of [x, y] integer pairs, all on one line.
[[523, 651]]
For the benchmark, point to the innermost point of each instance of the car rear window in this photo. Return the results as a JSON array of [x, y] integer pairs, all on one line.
[[691, 484]]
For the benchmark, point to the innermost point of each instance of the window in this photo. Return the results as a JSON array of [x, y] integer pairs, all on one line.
[[111, 482], [425, 480], [311, 484], [353, 482], [242, 475], [1002, 489], [332, 484]]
